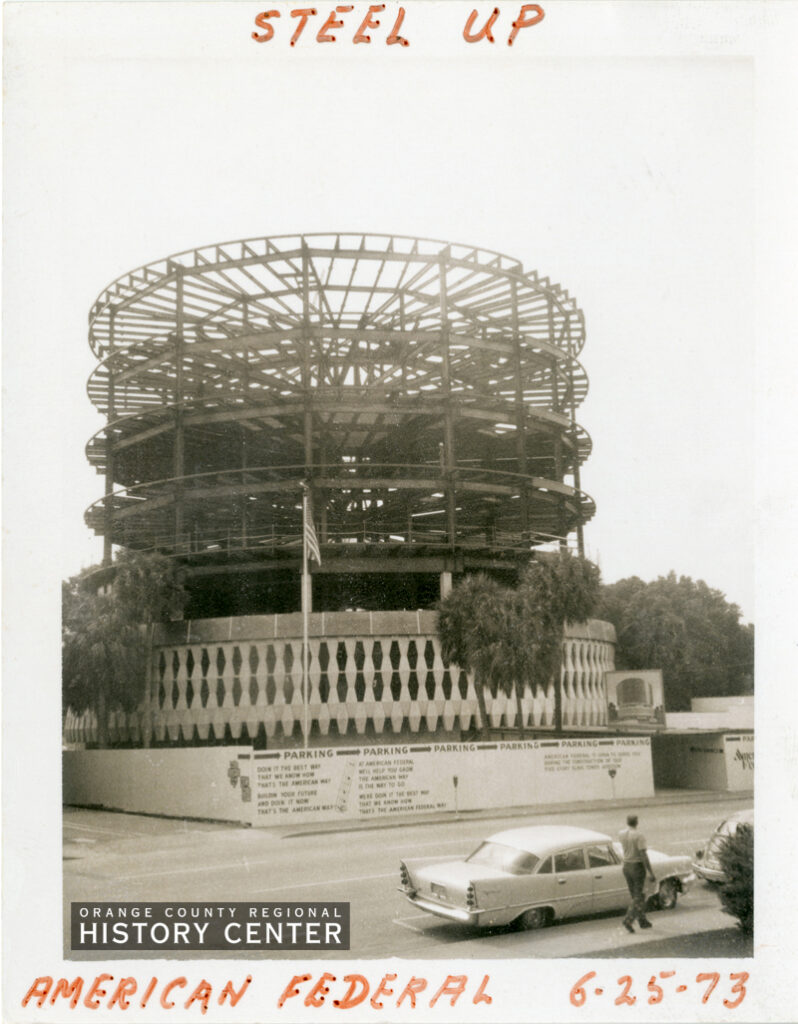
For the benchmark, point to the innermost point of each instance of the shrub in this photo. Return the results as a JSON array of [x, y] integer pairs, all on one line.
[[737, 891]]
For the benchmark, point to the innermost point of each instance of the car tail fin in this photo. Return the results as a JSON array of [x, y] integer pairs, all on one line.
[[405, 878]]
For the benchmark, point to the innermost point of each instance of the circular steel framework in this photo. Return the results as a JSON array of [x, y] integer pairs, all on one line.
[[427, 391]]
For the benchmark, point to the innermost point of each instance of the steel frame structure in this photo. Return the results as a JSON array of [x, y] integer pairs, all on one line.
[[427, 391]]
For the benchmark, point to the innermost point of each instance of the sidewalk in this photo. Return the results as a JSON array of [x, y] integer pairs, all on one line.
[[717, 942], [662, 796]]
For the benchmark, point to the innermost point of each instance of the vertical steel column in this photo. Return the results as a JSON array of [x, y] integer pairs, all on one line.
[[242, 428], [402, 328], [449, 457], [559, 466], [322, 513], [520, 410], [108, 507], [179, 448], [307, 579], [580, 536], [559, 472]]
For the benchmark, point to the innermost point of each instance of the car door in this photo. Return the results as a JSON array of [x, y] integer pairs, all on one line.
[[573, 883], [610, 891], [517, 888]]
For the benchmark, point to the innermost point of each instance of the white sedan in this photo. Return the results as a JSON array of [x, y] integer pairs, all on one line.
[[707, 861], [536, 875]]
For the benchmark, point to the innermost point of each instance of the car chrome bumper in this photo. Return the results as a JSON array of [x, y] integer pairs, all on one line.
[[707, 873], [688, 881], [441, 909]]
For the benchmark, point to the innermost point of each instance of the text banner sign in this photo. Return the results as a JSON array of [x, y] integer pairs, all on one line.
[[329, 783], [739, 753], [210, 926]]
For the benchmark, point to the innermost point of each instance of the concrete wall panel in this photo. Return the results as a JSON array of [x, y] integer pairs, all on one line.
[[189, 783]]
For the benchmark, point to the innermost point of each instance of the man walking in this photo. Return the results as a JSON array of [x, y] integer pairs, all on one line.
[[635, 866]]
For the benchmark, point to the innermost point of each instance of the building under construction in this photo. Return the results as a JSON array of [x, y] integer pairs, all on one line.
[[426, 392]]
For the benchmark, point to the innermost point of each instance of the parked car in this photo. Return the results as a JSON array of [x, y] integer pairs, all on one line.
[[707, 860], [536, 875]]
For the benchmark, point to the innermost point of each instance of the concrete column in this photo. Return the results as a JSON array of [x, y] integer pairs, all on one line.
[[446, 584]]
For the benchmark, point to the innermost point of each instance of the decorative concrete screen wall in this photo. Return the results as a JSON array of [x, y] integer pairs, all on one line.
[[374, 677], [348, 783]]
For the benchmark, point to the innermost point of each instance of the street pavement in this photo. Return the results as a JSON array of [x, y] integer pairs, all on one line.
[[121, 857]]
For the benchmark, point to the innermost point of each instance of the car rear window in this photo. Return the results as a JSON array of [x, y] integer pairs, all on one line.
[[600, 856], [504, 858], [730, 825]]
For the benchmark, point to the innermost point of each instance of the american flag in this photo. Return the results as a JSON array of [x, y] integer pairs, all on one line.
[[311, 540]]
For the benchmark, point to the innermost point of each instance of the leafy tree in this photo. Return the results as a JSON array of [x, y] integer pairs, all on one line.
[[104, 640], [147, 586], [555, 590], [736, 856], [506, 637], [685, 628], [475, 626]]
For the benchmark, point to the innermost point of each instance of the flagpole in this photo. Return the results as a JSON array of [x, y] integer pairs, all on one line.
[[305, 616]]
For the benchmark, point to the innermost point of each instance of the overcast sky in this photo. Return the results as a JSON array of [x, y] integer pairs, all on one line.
[[626, 178]]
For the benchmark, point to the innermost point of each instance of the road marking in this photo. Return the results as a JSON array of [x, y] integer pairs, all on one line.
[[228, 866], [414, 917], [441, 856], [106, 831], [441, 842], [410, 927], [250, 864], [329, 881]]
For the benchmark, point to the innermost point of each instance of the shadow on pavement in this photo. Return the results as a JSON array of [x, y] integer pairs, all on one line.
[[723, 942]]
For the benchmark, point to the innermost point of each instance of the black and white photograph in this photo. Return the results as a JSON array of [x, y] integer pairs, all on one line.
[[398, 510]]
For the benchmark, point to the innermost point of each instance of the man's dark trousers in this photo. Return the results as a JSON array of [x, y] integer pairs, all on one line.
[[635, 874]]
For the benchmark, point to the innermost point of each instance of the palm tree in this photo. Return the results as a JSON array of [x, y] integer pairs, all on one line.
[[556, 590], [478, 632], [105, 643]]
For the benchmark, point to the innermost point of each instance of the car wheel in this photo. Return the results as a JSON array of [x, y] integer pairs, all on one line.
[[536, 917], [668, 894]]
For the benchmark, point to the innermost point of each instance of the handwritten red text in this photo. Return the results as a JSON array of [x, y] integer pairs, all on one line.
[[333, 22], [529, 15], [354, 989], [666, 984], [328, 25], [119, 993]]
